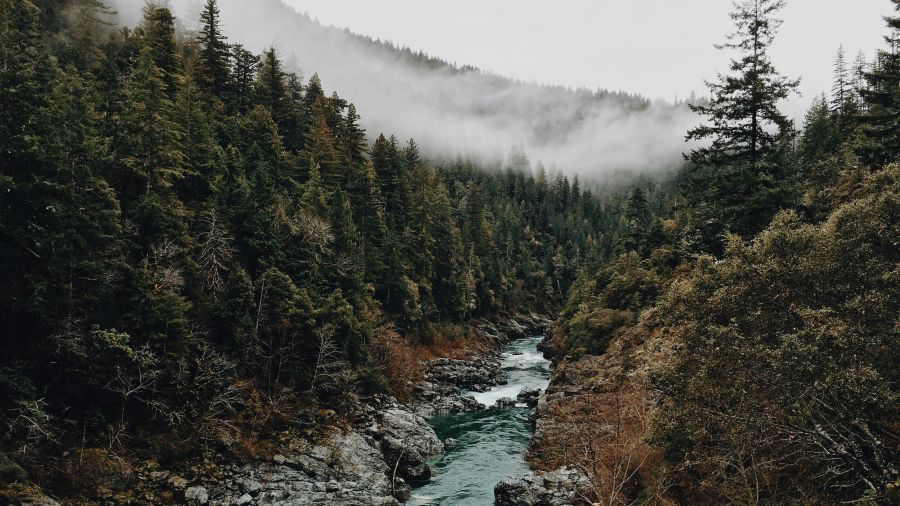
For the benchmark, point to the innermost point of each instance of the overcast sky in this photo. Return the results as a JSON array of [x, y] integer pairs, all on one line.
[[659, 48]]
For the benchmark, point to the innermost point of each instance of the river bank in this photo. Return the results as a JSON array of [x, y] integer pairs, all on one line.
[[385, 448], [488, 445], [373, 458]]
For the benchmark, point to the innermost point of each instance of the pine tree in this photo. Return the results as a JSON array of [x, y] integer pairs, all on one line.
[[153, 143], [818, 140], [388, 163], [745, 103], [348, 249], [292, 126], [160, 46], [202, 153], [318, 147], [840, 91], [314, 93], [214, 51], [24, 78], [860, 66], [314, 198], [271, 88], [241, 89], [881, 124], [369, 217], [352, 140]]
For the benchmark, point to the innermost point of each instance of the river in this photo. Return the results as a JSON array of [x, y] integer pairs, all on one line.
[[490, 443]]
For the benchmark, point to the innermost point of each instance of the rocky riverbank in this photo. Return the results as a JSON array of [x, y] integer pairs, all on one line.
[[589, 425], [380, 455], [440, 392], [374, 459], [385, 451]]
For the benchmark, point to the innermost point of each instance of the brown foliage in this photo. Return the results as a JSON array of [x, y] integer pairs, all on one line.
[[399, 358], [602, 435]]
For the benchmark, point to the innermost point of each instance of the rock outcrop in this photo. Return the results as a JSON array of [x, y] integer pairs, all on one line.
[[555, 488], [446, 379], [372, 462], [529, 397]]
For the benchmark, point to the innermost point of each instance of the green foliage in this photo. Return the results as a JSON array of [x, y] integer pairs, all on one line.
[[881, 125], [743, 177], [787, 366], [608, 303], [184, 226]]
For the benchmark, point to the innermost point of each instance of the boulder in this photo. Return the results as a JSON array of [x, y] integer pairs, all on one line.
[[529, 397], [505, 402], [555, 488], [196, 495]]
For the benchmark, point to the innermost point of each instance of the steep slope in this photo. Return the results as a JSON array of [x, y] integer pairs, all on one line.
[[453, 111]]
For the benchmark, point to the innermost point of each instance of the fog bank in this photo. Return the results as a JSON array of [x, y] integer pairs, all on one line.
[[458, 112]]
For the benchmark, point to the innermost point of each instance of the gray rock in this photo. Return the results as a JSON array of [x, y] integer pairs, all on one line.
[[505, 402], [196, 495], [250, 485], [244, 500], [556, 488], [529, 397], [402, 491]]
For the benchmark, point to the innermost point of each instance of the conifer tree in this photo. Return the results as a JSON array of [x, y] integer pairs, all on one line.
[[744, 103], [241, 89], [319, 147], [818, 137], [291, 126], [214, 51], [153, 145], [352, 140], [744, 174], [840, 91], [881, 125], [160, 46], [271, 87], [314, 198]]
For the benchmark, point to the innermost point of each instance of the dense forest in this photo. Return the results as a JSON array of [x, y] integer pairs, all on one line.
[[770, 280], [200, 250], [197, 245]]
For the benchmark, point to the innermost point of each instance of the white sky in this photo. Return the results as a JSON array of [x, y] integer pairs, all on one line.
[[659, 48]]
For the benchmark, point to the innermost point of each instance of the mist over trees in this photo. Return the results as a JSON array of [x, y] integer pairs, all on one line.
[[206, 252], [458, 111]]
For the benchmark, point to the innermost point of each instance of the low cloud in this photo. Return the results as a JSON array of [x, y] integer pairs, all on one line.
[[459, 112]]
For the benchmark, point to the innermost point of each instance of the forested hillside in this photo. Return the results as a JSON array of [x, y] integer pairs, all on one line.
[[749, 336], [198, 246], [455, 109], [205, 258]]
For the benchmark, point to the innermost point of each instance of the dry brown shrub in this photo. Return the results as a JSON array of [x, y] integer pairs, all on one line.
[[602, 435], [92, 472], [397, 360], [400, 357]]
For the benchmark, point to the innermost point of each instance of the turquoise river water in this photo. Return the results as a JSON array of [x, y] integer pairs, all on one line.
[[490, 443]]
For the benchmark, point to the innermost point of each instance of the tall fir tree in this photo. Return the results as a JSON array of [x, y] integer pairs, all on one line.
[[271, 88], [242, 89], [214, 51], [881, 124], [744, 103]]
